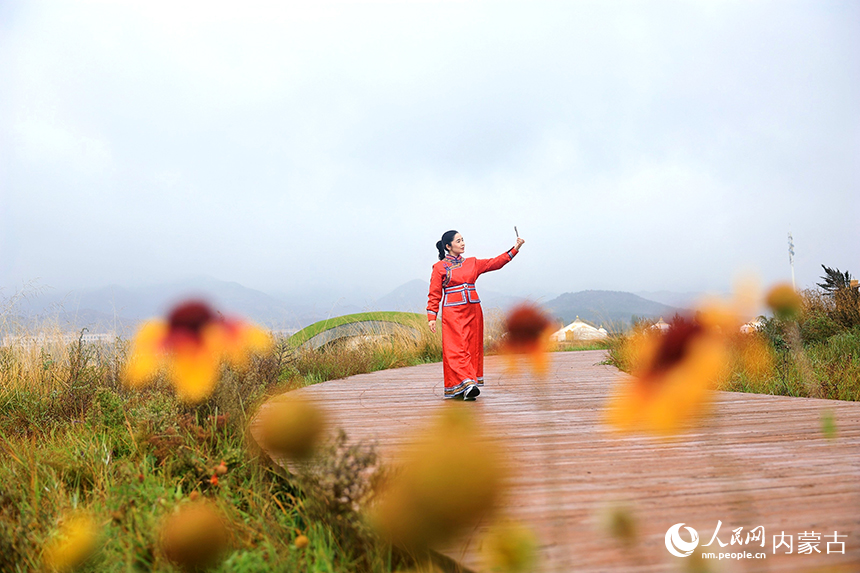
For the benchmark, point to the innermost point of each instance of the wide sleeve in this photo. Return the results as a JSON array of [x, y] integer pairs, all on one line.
[[435, 292], [494, 264]]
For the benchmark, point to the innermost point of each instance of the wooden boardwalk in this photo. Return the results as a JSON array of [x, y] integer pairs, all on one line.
[[758, 461]]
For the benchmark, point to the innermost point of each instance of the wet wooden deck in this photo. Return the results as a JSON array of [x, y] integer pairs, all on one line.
[[758, 461]]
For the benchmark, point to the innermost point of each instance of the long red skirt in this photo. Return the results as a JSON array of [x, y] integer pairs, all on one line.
[[462, 347]]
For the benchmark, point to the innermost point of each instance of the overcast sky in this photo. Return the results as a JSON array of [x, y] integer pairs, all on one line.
[[298, 145]]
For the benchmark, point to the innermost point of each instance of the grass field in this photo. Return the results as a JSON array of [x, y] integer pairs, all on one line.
[[74, 438]]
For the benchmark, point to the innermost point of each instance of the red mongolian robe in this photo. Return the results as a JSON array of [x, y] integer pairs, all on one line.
[[453, 283]]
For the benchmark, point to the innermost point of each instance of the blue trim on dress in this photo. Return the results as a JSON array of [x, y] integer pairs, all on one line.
[[467, 289], [455, 263]]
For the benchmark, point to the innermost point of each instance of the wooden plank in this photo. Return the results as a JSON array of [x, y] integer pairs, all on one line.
[[757, 461]]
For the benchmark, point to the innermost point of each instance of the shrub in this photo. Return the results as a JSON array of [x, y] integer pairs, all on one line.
[[818, 328]]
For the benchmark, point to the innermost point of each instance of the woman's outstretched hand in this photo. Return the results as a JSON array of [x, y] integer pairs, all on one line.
[[519, 243], [432, 324]]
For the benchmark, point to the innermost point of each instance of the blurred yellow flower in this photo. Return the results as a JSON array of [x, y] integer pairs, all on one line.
[[291, 426], [828, 424], [451, 478], [784, 301], [672, 379], [527, 332], [192, 343], [510, 547], [728, 314], [195, 537], [620, 523], [425, 567], [75, 540]]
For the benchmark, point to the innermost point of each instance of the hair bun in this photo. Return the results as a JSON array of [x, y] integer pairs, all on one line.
[[439, 245]]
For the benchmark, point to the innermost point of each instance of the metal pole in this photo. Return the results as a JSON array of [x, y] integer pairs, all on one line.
[[791, 259]]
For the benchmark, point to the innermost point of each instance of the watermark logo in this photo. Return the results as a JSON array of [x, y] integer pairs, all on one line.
[[808, 543], [677, 546]]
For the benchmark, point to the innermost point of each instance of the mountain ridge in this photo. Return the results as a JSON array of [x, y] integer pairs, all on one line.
[[612, 309], [121, 309]]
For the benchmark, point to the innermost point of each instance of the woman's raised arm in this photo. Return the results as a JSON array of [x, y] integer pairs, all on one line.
[[494, 264]]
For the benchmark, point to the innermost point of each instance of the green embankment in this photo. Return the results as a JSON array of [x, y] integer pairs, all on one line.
[[405, 318]]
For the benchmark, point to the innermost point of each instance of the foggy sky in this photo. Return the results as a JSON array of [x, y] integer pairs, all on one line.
[[300, 146]]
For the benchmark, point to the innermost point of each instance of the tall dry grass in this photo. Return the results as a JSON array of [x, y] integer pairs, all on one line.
[[72, 435], [347, 357]]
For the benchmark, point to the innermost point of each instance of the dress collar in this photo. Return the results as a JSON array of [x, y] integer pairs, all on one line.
[[453, 259]]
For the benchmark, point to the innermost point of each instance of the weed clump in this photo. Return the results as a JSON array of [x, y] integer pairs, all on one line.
[[341, 483]]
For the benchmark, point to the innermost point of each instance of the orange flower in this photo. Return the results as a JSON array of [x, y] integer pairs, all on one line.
[[195, 537], [443, 488], [510, 547], [673, 378], [291, 427], [727, 315], [784, 301], [527, 331], [75, 540], [192, 343]]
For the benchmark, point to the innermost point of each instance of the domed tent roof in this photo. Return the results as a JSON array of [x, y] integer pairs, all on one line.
[[754, 325], [659, 325], [579, 330]]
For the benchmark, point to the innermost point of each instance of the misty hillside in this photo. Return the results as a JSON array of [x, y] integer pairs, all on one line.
[[608, 308], [408, 297], [120, 309]]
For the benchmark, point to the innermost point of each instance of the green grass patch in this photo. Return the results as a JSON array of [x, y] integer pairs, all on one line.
[[583, 345], [826, 369], [765, 363], [405, 318], [73, 437]]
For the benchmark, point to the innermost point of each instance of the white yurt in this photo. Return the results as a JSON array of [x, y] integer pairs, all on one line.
[[659, 325], [754, 325], [579, 330]]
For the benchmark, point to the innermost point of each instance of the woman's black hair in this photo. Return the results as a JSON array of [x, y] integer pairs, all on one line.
[[442, 245]]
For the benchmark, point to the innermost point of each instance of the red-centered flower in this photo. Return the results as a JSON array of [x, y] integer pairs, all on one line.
[[674, 374], [192, 343], [527, 332]]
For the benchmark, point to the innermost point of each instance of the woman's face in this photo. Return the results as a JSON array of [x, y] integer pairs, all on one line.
[[457, 246]]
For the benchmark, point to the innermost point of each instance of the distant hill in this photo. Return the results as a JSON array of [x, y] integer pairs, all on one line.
[[120, 309], [613, 309], [102, 308], [408, 297]]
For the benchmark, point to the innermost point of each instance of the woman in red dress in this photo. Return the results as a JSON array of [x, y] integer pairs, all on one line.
[[453, 283]]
